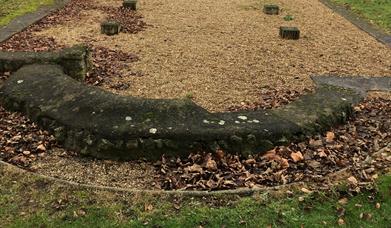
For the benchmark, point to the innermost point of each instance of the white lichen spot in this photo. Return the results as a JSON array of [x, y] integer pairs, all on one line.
[[169, 128], [249, 121], [128, 118], [266, 130], [132, 125], [344, 99], [255, 121], [20, 81], [242, 117], [153, 130], [115, 127], [237, 122], [93, 113], [206, 121], [221, 122]]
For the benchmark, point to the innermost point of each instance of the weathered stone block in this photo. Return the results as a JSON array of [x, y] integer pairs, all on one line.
[[289, 33], [75, 61], [110, 28], [130, 4], [271, 9]]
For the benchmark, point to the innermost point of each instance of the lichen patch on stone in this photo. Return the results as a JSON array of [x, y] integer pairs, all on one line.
[[153, 130], [242, 117]]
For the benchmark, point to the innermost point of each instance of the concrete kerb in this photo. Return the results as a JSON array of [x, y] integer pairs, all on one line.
[[22, 22], [359, 22]]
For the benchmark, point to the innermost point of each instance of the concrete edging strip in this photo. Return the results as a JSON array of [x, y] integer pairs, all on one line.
[[360, 22], [22, 22]]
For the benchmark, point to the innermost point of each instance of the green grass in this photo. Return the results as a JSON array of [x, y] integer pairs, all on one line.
[[33, 202], [10, 9], [376, 11]]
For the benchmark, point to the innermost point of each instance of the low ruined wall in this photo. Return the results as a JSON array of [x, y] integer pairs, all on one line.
[[101, 124], [75, 61]]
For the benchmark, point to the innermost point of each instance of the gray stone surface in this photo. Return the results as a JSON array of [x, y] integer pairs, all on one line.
[[75, 61], [358, 83], [101, 124]]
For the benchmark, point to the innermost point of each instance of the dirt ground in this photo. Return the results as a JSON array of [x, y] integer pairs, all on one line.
[[221, 52]]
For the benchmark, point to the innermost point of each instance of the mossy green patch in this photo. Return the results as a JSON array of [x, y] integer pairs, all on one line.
[[376, 11], [10, 9]]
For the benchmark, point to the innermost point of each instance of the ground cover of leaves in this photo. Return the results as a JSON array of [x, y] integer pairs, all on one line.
[[361, 149]]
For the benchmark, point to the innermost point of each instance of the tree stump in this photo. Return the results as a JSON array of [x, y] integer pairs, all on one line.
[[271, 9], [289, 33], [130, 4], [110, 28]]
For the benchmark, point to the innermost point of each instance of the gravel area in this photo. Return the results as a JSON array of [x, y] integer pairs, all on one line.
[[221, 53]]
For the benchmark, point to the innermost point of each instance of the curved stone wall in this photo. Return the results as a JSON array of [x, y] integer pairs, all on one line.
[[101, 124]]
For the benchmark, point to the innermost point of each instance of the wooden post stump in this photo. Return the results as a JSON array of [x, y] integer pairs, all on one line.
[[110, 28], [130, 4], [271, 9], [289, 33]]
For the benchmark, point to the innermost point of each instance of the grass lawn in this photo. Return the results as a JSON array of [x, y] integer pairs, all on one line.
[[9, 9], [27, 201], [376, 11]]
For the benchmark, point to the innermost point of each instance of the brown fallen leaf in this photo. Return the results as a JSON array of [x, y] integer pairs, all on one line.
[[341, 221], [305, 190], [210, 164], [41, 147], [148, 207], [366, 216], [343, 201], [270, 155], [194, 169], [219, 155], [330, 136], [297, 156], [284, 163], [352, 180]]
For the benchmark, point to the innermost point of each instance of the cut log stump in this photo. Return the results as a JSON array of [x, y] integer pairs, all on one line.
[[110, 28], [130, 4], [271, 9], [289, 33]]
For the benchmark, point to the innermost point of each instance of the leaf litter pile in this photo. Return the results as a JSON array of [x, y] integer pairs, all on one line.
[[106, 62], [361, 148]]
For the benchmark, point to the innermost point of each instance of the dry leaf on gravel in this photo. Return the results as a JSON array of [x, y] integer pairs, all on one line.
[[297, 156]]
